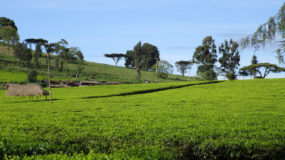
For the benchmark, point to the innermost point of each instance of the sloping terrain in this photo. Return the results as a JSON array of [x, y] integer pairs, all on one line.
[[242, 119], [10, 72]]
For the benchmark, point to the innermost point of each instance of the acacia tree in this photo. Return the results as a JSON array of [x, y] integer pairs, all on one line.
[[182, 66], [230, 58], [267, 67], [38, 43], [272, 30], [115, 56], [206, 56]]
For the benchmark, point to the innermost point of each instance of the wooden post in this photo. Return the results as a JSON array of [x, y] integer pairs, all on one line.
[[50, 95]]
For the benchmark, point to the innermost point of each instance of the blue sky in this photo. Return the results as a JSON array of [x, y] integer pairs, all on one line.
[[176, 27]]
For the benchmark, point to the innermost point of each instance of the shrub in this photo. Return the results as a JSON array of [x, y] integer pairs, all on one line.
[[32, 76]]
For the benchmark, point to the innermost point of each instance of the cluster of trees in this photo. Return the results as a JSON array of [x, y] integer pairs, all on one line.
[[33, 48], [142, 57], [206, 56], [146, 57]]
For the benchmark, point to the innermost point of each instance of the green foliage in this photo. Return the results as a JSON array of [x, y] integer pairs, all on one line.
[[211, 121], [129, 59], [7, 22], [230, 58], [32, 76], [206, 56], [9, 35], [149, 55], [257, 68], [23, 54]]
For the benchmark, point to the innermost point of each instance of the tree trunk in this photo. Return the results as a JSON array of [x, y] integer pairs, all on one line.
[[49, 85]]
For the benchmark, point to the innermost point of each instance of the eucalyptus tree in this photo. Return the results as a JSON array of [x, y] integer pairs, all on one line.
[[206, 56], [271, 31], [115, 56], [230, 58]]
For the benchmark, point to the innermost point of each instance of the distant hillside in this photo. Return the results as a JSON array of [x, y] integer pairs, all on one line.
[[92, 71]]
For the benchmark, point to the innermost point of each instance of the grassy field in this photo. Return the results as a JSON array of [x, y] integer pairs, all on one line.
[[92, 71], [226, 120]]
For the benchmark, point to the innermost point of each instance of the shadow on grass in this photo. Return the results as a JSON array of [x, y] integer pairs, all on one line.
[[18, 100], [151, 90]]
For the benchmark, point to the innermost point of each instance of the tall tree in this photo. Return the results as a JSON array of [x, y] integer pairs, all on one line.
[[50, 48], [182, 66], [230, 58], [139, 58], [272, 30], [206, 56], [115, 56]]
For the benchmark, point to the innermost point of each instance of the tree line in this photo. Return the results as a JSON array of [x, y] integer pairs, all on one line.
[[31, 48]]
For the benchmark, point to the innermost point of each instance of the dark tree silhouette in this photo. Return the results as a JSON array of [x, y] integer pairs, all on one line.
[[115, 56], [182, 66]]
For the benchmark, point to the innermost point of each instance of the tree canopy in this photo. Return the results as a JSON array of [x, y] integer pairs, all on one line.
[[206, 56], [7, 22], [9, 35], [150, 54], [182, 66], [115, 56], [266, 66], [230, 58]]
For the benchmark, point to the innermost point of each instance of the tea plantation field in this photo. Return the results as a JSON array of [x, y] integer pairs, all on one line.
[[242, 119]]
